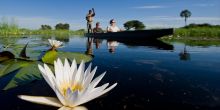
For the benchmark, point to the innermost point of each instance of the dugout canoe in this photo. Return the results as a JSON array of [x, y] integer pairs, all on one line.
[[138, 34]]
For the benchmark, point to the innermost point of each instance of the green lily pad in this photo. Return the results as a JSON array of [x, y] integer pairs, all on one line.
[[25, 75], [50, 56], [12, 65], [74, 55], [5, 55]]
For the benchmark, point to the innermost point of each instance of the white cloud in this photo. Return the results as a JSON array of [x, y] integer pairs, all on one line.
[[150, 7]]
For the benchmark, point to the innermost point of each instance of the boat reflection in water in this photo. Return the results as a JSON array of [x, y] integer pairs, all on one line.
[[157, 44], [184, 55], [112, 44]]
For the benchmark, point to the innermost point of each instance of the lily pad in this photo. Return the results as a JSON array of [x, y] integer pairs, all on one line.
[[5, 55], [12, 65], [25, 75], [74, 55], [50, 56]]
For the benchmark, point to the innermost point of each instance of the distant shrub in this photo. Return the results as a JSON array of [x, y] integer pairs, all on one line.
[[137, 25], [61, 26], [193, 25], [46, 27]]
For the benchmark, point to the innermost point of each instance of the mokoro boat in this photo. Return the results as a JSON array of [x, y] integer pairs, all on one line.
[[139, 34]]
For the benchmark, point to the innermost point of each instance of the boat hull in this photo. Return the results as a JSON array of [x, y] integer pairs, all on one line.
[[139, 34]]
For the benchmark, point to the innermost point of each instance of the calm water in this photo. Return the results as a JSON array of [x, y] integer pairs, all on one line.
[[150, 75]]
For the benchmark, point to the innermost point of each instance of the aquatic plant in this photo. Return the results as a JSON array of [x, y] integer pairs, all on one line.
[[54, 44], [73, 86], [25, 67]]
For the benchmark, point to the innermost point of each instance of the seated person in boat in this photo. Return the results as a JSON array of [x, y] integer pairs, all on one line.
[[113, 27], [97, 28]]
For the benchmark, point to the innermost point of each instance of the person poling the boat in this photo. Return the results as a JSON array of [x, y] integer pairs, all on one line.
[[113, 27], [97, 28], [89, 19]]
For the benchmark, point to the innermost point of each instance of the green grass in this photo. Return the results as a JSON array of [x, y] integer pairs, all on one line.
[[12, 29], [191, 42], [200, 32], [18, 32], [196, 35], [196, 32]]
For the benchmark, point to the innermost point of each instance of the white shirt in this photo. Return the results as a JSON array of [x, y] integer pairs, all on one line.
[[113, 28], [113, 44]]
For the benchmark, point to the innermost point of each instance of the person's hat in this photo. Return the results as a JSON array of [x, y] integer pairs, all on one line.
[[112, 21], [97, 23]]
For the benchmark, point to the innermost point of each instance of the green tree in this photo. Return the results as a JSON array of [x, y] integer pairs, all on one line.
[[46, 27], [185, 14], [62, 26], [137, 25]]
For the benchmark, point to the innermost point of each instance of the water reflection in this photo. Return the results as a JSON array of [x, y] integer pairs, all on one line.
[[148, 79], [148, 43], [89, 46], [184, 55], [64, 38], [97, 43], [112, 45]]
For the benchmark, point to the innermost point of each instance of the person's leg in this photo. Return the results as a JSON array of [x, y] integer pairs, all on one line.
[[88, 27]]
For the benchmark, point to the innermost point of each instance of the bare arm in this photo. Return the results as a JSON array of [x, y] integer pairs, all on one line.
[[93, 12]]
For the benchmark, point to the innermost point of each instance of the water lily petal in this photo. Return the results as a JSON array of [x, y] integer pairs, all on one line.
[[72, 97], [80, 73], [73, 70], [59, 72], [66, 71], [60, 96], [90, 95], [109, 88], [90, 76], [75, 108], [48, 77], [88, 70], [42, 100], [95, 82]]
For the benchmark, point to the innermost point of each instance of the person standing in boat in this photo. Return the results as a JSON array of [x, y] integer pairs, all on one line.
[[97, 28], [89, 19], [113, 27]]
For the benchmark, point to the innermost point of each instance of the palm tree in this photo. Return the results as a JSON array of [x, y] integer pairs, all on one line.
[[186, 14]]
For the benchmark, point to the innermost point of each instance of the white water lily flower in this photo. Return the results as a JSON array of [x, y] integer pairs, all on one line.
[[55, 43], [72, 86]]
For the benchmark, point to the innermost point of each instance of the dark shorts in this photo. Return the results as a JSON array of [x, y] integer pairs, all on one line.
[[89, 25]]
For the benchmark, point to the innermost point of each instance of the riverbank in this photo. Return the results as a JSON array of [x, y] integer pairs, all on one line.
[[19, 32], [196, 32]]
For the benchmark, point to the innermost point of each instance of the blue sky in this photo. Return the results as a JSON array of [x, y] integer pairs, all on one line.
[[153, 13]]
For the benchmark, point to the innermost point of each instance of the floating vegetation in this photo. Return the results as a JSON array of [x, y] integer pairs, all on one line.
[[25, 68]]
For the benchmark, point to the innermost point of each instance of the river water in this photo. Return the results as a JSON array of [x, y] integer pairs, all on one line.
[[150, 75]]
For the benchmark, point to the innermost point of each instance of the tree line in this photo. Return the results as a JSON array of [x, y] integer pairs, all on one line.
[[59, 26], [132, 24]]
